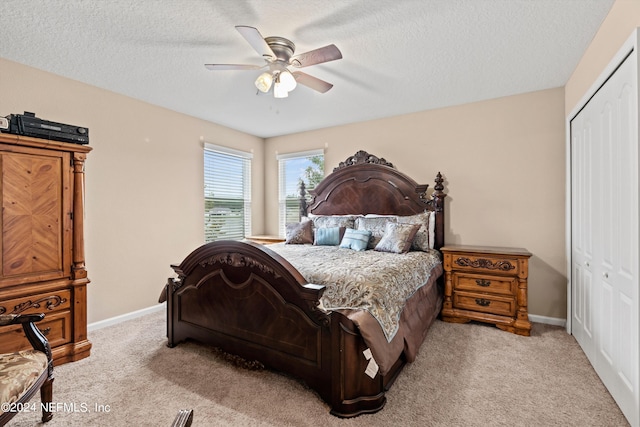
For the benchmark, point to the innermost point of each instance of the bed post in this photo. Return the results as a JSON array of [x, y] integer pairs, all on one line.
[[302, 199], [437, 199]]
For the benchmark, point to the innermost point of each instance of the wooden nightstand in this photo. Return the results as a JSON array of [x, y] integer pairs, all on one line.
[[265, 240], [487, 284]]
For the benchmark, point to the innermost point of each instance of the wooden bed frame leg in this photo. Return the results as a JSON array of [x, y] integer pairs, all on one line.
[[169, 299], [355, 394]]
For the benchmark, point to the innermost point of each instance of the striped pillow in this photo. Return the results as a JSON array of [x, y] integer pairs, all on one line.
[[329, 236], [355, 239]]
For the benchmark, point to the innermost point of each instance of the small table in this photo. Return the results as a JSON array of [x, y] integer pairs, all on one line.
[[487, 284]]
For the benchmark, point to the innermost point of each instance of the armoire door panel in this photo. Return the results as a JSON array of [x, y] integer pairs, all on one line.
[[33, 215]]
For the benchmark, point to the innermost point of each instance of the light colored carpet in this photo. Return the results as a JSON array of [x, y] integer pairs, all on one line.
[[465, 375]]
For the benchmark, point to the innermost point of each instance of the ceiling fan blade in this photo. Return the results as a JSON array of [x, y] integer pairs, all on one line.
[[216, 67], [257, 42], [312, 82], [316, 56]]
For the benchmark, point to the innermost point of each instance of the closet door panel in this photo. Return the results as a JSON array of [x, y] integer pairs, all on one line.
[[582, 129], [617, 332], [607, 335], [606, 231], [605, 234], [625, 269]]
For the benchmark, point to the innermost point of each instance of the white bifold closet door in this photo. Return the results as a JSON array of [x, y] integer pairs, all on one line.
[[604, 233]]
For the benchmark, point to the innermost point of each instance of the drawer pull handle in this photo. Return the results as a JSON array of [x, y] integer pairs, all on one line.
[[482, 282], [46, 331], [483, 302]]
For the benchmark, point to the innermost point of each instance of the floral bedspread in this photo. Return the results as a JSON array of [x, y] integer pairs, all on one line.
[[379, 282]]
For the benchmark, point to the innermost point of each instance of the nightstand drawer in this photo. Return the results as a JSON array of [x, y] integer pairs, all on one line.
[[485, 303], [485, 263], [490, 284]]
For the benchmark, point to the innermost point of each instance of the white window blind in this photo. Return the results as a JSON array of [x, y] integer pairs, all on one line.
[[306, 166], [227, 193]]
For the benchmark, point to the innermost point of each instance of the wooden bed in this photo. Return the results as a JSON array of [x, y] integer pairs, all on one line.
[[249, 301]]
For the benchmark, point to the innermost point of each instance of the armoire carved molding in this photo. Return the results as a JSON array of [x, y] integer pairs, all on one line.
[[42, 269]]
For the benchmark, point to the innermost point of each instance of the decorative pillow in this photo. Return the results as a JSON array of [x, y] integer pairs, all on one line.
[[397, 238], [423, 241], [298, 233], [376, 225], [355, 239], [328, 236], [327, 221]]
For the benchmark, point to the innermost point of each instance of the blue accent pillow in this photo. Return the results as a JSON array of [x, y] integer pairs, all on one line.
[[355, 239], [328, 236]]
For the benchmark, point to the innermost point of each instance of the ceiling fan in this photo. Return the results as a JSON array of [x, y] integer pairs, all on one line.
[[278, 53]]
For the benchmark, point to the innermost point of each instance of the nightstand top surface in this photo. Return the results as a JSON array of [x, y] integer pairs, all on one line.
[[264, 238], [498, 250]]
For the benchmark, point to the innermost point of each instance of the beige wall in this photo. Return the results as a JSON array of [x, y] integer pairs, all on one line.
[[623, 18], [503, 161], [144, 182]]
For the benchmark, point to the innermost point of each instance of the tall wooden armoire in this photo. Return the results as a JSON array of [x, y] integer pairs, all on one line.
[[42, 269]]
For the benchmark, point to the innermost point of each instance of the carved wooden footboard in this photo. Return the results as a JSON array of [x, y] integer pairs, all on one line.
[[249, 301]]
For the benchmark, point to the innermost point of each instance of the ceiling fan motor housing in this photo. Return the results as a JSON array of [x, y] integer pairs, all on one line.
[[283, 48]]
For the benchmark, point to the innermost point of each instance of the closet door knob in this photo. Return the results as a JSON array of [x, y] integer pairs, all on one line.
[[605, 275], [587, 264]]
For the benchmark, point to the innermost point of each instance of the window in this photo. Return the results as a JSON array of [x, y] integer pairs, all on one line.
[[307, 166], [227, 193]]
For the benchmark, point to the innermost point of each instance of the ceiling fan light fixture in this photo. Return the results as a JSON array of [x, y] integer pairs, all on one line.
[[278, 53], [279, 90], [263, 82], [287, 81]]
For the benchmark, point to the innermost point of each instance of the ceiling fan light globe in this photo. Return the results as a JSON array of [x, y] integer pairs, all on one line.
[[287, 81], [263, 82], [279, 91]]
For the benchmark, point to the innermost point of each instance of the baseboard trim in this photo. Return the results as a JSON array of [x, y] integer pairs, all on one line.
[[124, 317], [138, 313], [548, 320]]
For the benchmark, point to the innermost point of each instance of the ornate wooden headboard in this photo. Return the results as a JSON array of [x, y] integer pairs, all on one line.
[[366, 184]]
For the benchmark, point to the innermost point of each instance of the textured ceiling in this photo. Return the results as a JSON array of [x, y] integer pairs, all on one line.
[[399, 56]]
